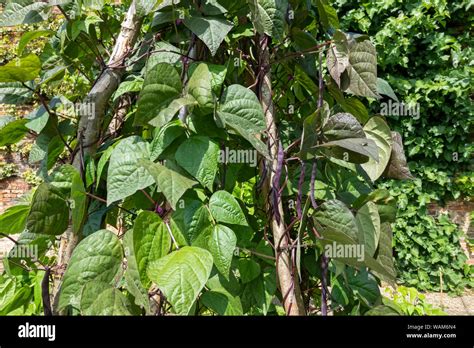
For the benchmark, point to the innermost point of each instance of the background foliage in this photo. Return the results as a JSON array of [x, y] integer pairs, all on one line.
[[425, 51]]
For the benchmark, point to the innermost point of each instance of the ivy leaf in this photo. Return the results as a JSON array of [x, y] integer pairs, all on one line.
[[268, 16], [222, 245], [368, 224], [363, 69], [199, 86], [225, 208], [200, 157], [162, 85], [49, 213], [151, 241], [124, 167], [241, 111], [132, 275], [170, 182], [338, 56], [13, 132], [211, 30], [78, 195], [100, 298], [13, 219], [97, 257], [377, 130], [181, 276], [397, 167], [21, 69]]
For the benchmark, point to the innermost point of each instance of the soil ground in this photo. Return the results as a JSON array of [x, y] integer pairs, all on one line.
[[458, 305]]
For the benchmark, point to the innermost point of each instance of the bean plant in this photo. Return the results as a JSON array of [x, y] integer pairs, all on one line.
[[214, 157]]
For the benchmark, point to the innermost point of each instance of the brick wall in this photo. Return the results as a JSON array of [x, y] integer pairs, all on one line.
[[10, 190], [14, 186], [460, 213]]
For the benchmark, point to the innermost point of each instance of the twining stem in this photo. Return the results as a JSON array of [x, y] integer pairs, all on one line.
[[171, 235], [324, 289], [324, 259], [287, 279], [45, 293], [90, 125]]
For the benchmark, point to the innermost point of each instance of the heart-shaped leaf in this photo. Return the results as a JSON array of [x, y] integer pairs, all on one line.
[[181, 276], [199, 156]]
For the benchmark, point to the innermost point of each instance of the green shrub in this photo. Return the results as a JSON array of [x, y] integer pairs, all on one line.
[[8, 170], [408, 301]]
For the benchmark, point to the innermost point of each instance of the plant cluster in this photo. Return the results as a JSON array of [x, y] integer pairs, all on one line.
[[409, 301]]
